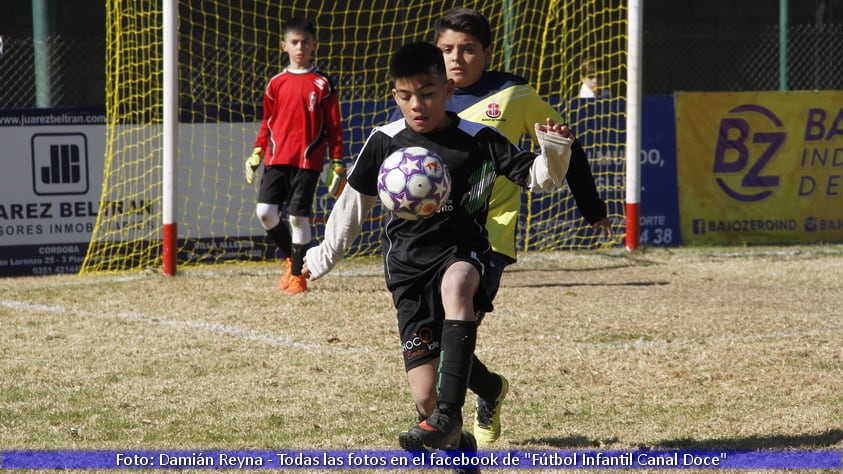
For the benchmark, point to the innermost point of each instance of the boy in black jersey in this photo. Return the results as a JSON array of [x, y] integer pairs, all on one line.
[[435, 267]]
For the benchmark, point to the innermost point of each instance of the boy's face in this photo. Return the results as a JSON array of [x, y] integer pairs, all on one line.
[[300, 46], [465, 57], [594, 81], [422, 100]]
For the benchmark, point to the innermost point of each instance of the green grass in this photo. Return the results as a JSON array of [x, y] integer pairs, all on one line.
[[698, 349]]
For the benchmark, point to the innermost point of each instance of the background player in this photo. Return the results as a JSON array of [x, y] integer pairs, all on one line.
[[591, 80], [301, 118], [435, 267]]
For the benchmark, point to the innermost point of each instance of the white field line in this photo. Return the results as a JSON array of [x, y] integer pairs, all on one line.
[[200, 325]]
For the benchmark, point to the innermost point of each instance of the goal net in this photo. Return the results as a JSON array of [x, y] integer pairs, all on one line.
[[229, 50]]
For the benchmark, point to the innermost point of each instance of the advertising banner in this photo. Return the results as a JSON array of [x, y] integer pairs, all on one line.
[[601, 128], [760, 167], [51, 185]]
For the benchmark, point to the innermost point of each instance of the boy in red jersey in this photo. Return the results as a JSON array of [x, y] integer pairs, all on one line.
[[301, 119]]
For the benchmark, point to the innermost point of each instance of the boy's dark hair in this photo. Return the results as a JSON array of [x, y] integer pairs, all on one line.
[[298, 24], [464, 20], [591, 67], [416, 59]]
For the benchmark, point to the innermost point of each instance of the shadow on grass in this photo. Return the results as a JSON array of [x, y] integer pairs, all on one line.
[[572, 284], [803, 441], [750, 443], [528, 269], [573, 441]]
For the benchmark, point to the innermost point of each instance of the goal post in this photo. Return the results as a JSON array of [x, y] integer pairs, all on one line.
[[633, 124], [184, 87], [169, 207]]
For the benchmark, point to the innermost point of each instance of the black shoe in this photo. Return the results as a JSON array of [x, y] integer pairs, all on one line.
[[467, 445], [438, 431]]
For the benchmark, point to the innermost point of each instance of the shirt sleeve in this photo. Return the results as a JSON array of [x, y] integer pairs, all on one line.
[[550, 166], [581, 182], [344, 225], [333, 123], [263, 133]]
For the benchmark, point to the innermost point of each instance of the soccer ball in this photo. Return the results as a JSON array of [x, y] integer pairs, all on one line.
[[413, 183]]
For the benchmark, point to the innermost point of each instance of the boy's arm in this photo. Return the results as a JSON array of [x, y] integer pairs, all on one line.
[[262, 140], [581, 182], [549, 168], [343, 226], [333, 122]]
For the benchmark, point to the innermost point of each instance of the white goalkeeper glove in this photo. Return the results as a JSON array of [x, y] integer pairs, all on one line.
[[253, 162], [335, 180], [550, 167]]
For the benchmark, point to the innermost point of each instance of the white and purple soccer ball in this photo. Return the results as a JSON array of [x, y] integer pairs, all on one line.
[[414, 183]]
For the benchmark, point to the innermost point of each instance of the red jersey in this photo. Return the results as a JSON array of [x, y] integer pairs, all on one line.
[[301, 118]]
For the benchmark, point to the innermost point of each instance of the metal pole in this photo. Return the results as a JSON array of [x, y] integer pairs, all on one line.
[[633, 123], [41, 32], [507, 35], [169, 242], [783, 9]]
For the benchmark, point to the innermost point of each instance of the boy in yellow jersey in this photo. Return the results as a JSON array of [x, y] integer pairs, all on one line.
[[509, 104]]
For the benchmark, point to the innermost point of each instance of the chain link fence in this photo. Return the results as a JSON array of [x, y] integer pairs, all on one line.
[[75, 72], [676, 58], [741, 58]]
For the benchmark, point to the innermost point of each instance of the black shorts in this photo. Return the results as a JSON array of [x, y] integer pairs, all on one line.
[[497, 263], [420, 313], [290, 186]]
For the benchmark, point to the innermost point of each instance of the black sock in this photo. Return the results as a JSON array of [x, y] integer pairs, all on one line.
[[485, 383], [458, 339], [280, 235], [298, 258]]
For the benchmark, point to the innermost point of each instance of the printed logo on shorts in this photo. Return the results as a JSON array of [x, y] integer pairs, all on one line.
[[419, 344]]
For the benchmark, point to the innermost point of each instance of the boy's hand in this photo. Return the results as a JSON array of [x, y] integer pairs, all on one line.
[[305, 271], [557, 128], [253, 162], [605, 225], [335, 181]]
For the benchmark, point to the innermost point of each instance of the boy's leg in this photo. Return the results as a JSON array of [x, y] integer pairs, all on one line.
[[300, 229], [459, 333], [422, 380], [491, 389], [279, 234], [302, 191]]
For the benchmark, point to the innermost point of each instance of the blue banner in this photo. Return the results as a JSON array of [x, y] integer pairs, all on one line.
[[600, 125], [288, 459]]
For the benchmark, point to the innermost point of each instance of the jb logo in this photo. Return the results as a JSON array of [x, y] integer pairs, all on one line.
[[742, 151], [59, 163]]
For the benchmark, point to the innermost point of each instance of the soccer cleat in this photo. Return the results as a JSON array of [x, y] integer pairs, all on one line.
[[284, 282], [438, 431], [487, 417], [296, 284], [468, 446]]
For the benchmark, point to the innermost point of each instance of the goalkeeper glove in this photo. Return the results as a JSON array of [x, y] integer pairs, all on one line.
[[335, 181], [252, 164]]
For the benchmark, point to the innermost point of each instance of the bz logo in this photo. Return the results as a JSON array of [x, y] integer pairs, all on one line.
[[734, 154]]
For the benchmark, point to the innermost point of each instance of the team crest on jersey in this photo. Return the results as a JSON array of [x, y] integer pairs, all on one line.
[[493, 110], [312, 104]]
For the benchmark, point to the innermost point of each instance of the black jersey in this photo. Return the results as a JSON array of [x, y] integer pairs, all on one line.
[[474, 155]]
